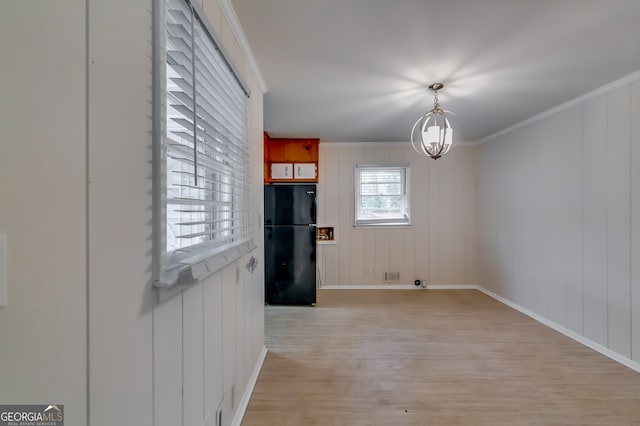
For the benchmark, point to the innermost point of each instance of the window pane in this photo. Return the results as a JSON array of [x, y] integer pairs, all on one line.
[[207, 175], [381, 195], [179, 127]]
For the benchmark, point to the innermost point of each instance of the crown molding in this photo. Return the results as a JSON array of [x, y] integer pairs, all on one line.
[[378, 144], [230, 14], [631, 78], [358, 144]]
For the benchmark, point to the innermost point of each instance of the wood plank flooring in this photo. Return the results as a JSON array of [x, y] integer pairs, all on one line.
[[431, 357]]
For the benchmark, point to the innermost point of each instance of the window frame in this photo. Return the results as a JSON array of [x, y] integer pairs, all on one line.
[[406, 197], [173, 271]]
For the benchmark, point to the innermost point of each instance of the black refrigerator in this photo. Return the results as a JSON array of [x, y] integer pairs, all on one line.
[[290, 244]]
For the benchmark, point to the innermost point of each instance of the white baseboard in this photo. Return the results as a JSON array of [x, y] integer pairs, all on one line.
[[561, 329], [401, 287], [452, 287], [237, 419], [372, 287]]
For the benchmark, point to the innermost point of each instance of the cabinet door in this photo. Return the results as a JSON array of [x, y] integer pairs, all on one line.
[[302, 150], [304, 171], [281, 171]]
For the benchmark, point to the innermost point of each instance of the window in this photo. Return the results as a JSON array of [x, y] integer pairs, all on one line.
[[201, 171], [381, 195]]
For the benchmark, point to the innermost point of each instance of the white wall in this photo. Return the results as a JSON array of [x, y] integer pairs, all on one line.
[[559, 217], [172, 363], [207, 340], [439, 247], [82, 327], [120, 289], [43, 204]]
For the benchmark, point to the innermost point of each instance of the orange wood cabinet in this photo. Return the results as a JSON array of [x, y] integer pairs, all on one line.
[[290, 160]]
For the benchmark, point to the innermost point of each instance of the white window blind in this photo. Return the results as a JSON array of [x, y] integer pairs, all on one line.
[[381, 195], [206, 170]]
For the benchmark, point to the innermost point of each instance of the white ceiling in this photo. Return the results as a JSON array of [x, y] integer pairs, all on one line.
[[357, 70]]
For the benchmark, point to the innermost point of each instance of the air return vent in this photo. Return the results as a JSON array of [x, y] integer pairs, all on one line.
[[392, 276]]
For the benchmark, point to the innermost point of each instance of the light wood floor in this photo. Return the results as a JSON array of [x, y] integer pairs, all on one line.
[[393, 357]]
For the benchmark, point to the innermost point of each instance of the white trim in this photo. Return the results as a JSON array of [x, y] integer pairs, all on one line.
[[357, 144], [403, 216], [561, 329], [237, 419], [378, 144], [452, 287], [573, 102], [402, 287], [238, 32], [372, 287], [197, 269], [407, 225]]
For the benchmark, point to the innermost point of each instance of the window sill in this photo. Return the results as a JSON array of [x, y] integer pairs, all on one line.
[[197, 269], [383, 225]]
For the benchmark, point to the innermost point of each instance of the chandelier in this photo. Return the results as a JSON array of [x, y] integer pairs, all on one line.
[[432, 135]]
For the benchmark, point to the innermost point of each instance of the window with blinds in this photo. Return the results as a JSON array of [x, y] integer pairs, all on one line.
[[381, 195], [207, 193]]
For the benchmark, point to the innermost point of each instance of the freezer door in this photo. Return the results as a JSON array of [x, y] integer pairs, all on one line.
[[289, 204], [290, 265]]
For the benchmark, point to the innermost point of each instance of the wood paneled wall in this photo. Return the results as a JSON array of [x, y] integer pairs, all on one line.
[[177, 362], [559, 217], [438, 247], [208, 339]]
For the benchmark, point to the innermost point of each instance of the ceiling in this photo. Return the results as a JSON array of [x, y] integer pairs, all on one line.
[[358, 70]]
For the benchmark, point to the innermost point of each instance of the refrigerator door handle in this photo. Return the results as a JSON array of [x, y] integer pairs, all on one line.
[[312, 225]]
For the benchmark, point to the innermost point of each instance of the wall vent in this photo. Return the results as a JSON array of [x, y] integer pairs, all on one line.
[[392, 276]]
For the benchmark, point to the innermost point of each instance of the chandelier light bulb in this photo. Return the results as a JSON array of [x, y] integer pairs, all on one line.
[[432, 134]]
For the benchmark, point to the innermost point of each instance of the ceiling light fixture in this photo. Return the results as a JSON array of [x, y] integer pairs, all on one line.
[[432, 135]]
